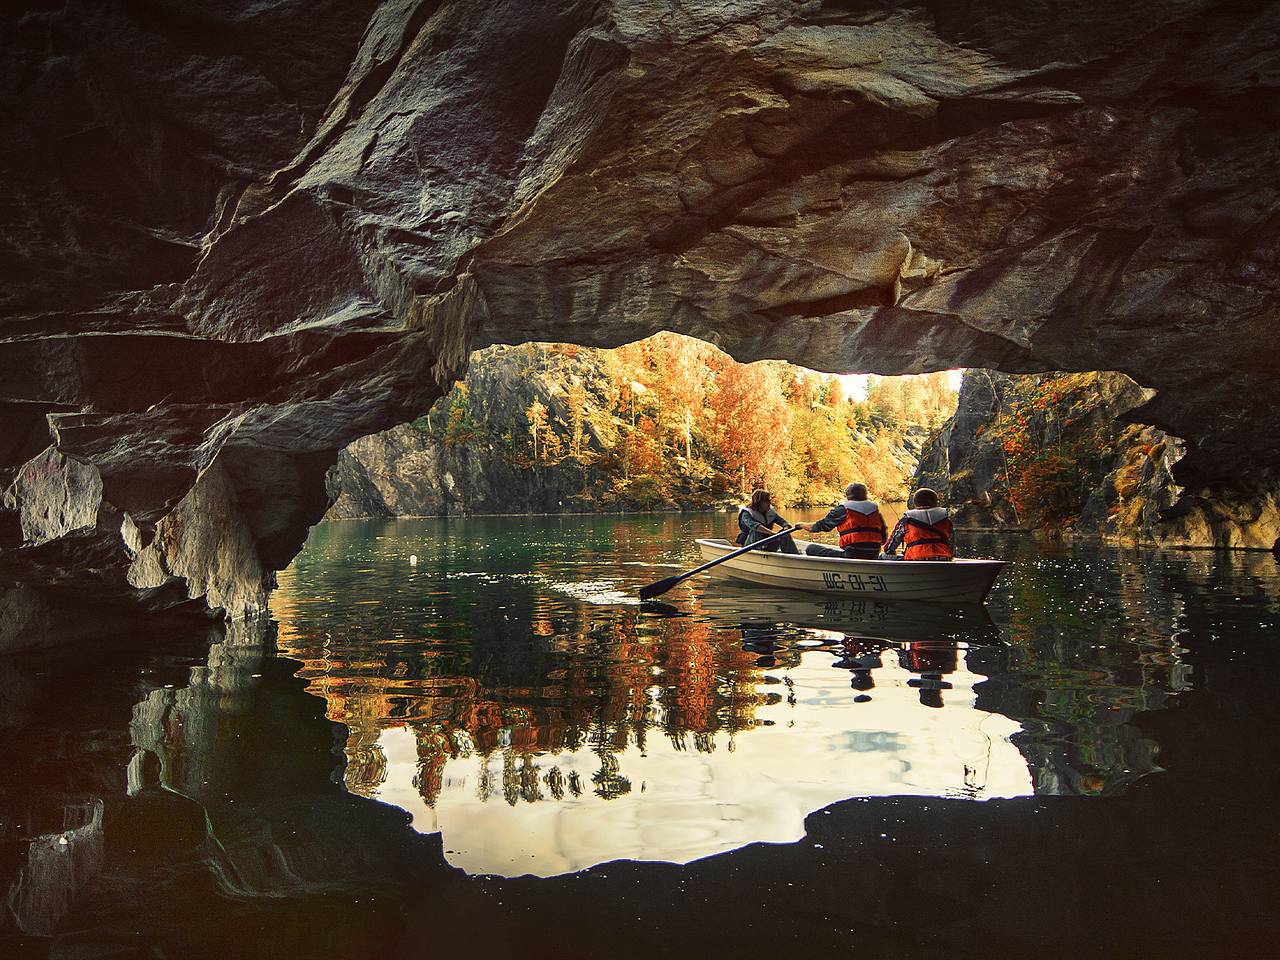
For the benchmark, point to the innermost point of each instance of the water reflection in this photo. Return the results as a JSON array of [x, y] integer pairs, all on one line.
[[519, 809], [499, 693], [593, 728]]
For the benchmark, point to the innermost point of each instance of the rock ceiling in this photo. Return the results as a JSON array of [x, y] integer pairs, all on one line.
[[238, 235]]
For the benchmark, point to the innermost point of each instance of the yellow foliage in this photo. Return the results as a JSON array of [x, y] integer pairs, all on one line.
[[671, 418]]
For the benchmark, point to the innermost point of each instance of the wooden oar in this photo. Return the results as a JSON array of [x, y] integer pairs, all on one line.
[[662, 586]]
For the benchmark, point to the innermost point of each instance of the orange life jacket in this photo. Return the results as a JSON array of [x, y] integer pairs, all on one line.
[[927, 538], [859, 527], [930, 657]]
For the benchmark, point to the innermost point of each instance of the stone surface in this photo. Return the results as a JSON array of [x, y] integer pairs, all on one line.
[[1080, 423], [1127, 490], [968, 471], [240, 235], [415, 470]]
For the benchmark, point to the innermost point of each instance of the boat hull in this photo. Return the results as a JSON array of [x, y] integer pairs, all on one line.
[[959, 581]]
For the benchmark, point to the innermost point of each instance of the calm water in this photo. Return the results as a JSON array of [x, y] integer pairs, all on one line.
[[520, 759], [509, 691]]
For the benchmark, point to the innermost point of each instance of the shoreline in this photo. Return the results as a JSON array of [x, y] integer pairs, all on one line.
[[1039, 535]]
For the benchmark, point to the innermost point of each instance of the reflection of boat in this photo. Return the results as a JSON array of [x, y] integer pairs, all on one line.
[[885, 619], [960, 581]]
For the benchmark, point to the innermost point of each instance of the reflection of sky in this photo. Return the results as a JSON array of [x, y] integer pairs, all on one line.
[[757, 786]]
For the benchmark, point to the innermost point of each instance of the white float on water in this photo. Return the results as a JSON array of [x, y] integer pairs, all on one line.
[[413, 559]]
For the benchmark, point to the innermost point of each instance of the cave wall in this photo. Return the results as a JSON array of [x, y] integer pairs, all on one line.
[[240, 235]]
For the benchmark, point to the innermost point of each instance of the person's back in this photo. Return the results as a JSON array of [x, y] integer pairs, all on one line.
[[859, 522], [924, 531], [863, 530]]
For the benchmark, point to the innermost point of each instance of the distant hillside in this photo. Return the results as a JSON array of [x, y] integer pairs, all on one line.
[[665, 423], [1051, 451]]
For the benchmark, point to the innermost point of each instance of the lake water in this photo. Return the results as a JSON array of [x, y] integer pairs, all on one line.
[[521, 759]]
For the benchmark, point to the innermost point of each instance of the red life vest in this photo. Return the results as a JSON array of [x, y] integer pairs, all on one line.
[[858, 527], [925, 540]]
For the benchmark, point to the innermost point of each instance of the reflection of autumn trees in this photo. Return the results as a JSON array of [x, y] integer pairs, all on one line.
[[603, 687], [477, 665]]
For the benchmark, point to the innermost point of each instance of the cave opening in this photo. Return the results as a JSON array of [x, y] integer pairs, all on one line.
[[248, 252], [201, 524], [668, 422], [671, 422]]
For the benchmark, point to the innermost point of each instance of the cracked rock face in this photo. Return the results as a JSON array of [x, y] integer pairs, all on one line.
[[239, 235]]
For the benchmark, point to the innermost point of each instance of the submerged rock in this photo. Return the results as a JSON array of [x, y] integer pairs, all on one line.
[[243, 236]]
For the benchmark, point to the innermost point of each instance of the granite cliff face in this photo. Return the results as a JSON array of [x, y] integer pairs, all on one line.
[[1046, 450], [240, 235], [1059, 452], [604, 447], [416, 469]]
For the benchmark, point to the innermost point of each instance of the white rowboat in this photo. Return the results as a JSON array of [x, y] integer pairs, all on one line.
[[957, 581]]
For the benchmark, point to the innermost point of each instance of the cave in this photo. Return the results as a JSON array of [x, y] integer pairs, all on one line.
[[239, 237]]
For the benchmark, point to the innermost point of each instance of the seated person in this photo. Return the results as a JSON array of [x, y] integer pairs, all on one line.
[[925, 531], [862, 528], [755, 522]]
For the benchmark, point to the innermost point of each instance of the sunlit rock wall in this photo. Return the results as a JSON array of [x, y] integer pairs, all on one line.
[[1060, 452], [418, 469], [240, 235]]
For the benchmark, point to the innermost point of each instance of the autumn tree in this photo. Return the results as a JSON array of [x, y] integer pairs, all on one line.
[[537, 417], [576, 400], [754, 426], [674, 419]]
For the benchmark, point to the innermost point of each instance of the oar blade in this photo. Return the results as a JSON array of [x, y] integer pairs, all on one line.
[[659, 588]]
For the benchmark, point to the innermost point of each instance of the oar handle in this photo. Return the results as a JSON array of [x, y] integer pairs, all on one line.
[[662, 586], [739, 552]]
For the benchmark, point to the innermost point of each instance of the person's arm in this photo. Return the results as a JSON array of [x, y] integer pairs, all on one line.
[[895, 541], [829, 522]]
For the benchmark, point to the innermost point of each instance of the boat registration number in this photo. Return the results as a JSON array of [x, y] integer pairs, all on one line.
[[854, 581]]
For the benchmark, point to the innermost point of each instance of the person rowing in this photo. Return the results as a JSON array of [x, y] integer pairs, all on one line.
[[861, 525], [925, 531], [756, 520]]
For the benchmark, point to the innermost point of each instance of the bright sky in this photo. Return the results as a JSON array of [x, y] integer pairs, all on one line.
[[856, 383]]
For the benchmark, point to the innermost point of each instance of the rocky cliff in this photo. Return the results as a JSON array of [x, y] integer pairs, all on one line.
[[1058, 452], [473, 452], [241, 235], [469, 454]]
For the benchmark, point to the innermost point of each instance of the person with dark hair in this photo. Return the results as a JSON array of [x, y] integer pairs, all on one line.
[[756, 520], [862, 528], [925, 531]]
